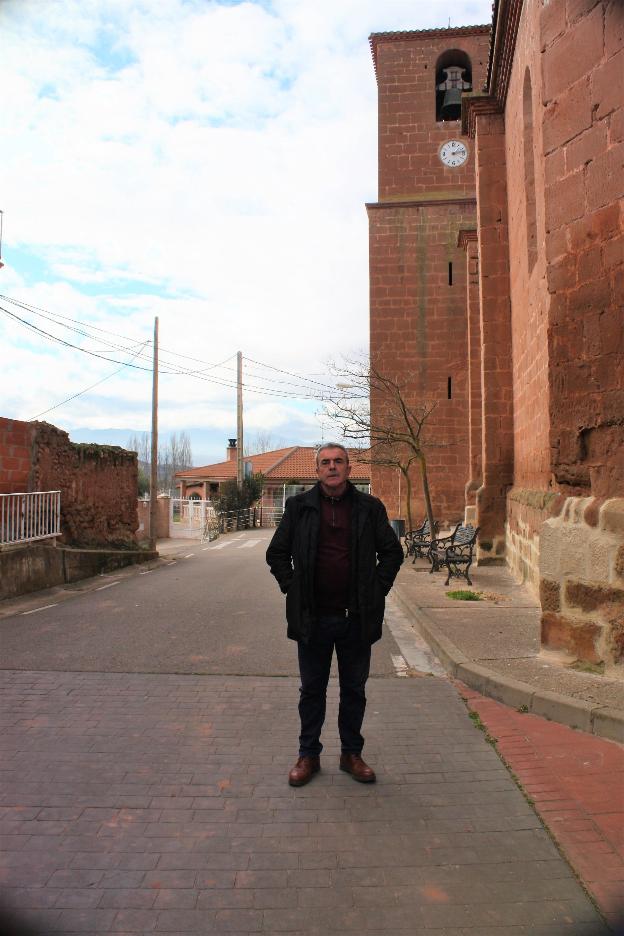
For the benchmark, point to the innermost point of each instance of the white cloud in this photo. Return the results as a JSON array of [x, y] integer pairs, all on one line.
[[220, 155]]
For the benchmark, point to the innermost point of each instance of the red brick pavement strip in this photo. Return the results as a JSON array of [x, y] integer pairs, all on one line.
[[576, 783]]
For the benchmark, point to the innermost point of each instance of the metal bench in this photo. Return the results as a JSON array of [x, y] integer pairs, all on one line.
[[454, 552], [417, 542]]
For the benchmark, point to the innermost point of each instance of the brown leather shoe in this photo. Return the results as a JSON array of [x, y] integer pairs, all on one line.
[[304, 770], [359, 770]]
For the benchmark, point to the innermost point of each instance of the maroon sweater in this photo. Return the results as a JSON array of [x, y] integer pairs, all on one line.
[[333, 559]]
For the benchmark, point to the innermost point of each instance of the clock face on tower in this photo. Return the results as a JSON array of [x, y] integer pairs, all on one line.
[[453, 153]]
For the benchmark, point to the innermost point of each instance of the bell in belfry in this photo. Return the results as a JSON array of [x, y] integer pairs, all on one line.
[[453, 85]]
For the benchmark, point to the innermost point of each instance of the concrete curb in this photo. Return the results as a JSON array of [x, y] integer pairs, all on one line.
[[600, 720]]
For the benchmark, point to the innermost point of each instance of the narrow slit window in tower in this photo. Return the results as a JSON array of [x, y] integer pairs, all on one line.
[[449, 388]]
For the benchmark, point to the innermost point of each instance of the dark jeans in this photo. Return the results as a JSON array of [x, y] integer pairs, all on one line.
[[353, 668]]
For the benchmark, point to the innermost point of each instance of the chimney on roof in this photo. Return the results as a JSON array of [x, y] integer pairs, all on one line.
[[230, 452]]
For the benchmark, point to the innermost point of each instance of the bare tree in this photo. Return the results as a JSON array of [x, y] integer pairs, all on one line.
[[140, 442], [261, 441], [372, 411], [175, 454]]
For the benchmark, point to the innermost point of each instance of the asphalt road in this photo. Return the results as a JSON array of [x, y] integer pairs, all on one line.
[[214, 609]]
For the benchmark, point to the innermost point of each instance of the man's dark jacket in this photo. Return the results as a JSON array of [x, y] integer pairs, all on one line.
[[376, 557]]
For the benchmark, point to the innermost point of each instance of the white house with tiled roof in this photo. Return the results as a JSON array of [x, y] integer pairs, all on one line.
[[285, 471]]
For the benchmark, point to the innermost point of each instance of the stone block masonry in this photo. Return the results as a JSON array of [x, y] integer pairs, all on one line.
[[98, 483], [556, 88], [583, 95], [581, 555]]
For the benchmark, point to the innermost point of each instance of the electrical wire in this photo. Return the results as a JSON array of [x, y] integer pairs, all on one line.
[[57, 317], [250, 388], [290, 374], [80, 393], [303, 391]]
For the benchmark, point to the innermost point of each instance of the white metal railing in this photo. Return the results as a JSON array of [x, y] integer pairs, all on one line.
[[270, 516], [189, 518], [29, 516]]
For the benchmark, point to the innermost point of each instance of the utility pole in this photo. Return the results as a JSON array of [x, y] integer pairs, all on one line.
[[239, 420], [154, 464]]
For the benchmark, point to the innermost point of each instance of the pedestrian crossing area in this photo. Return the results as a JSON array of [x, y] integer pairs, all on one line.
[[237, 542]]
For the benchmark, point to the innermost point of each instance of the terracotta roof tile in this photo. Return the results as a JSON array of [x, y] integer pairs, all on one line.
[[295, 462], [301, 464]]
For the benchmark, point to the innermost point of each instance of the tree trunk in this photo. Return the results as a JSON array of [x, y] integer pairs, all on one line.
[[408, 499], [425, 483]]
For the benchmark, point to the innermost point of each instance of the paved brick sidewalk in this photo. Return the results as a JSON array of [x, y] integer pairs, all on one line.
[[139, 804], [576, 782]]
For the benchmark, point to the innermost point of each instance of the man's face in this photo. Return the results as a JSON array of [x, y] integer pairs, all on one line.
[[333, 470]]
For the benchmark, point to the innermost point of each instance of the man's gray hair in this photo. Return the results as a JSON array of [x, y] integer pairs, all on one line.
[[328, 445]]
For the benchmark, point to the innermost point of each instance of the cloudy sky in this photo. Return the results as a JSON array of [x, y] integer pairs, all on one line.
[[204, 162]]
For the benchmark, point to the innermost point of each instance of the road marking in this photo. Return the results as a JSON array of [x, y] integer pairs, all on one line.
[[400, 664], [43, 608], [110, 585], [221, 545], [416, 652], [147, 572], [249, 544], [190, 556]]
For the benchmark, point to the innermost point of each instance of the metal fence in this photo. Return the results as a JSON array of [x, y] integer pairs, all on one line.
[[189, 518], [270, 516], [232, 520], [27, 517], [249, 519]]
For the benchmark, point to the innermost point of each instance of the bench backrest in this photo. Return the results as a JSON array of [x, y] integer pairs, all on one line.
[[464, 534]]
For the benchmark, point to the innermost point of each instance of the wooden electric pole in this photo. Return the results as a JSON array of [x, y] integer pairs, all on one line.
[[239, 420], [154, 464]]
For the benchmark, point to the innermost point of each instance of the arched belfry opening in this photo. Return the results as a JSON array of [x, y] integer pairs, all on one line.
[[453, 76]]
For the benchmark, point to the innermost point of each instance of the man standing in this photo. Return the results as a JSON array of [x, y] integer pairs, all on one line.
[[335, 557]]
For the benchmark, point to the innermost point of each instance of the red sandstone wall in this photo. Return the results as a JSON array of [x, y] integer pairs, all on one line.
[[474, 475], [418, 320], [527, 258], [409, 136], [98, 483], [583, 95], [418, 333], [496, 351], [16, 448]]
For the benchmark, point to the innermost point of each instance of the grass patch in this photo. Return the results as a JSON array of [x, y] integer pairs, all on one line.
[[464, 594], [582, 666], [476, 720]]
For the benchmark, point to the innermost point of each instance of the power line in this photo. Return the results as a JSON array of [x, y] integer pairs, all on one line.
[[302, 393], [289, 373], [75, 322], [179, 372], [96, 384], [57, 317]]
